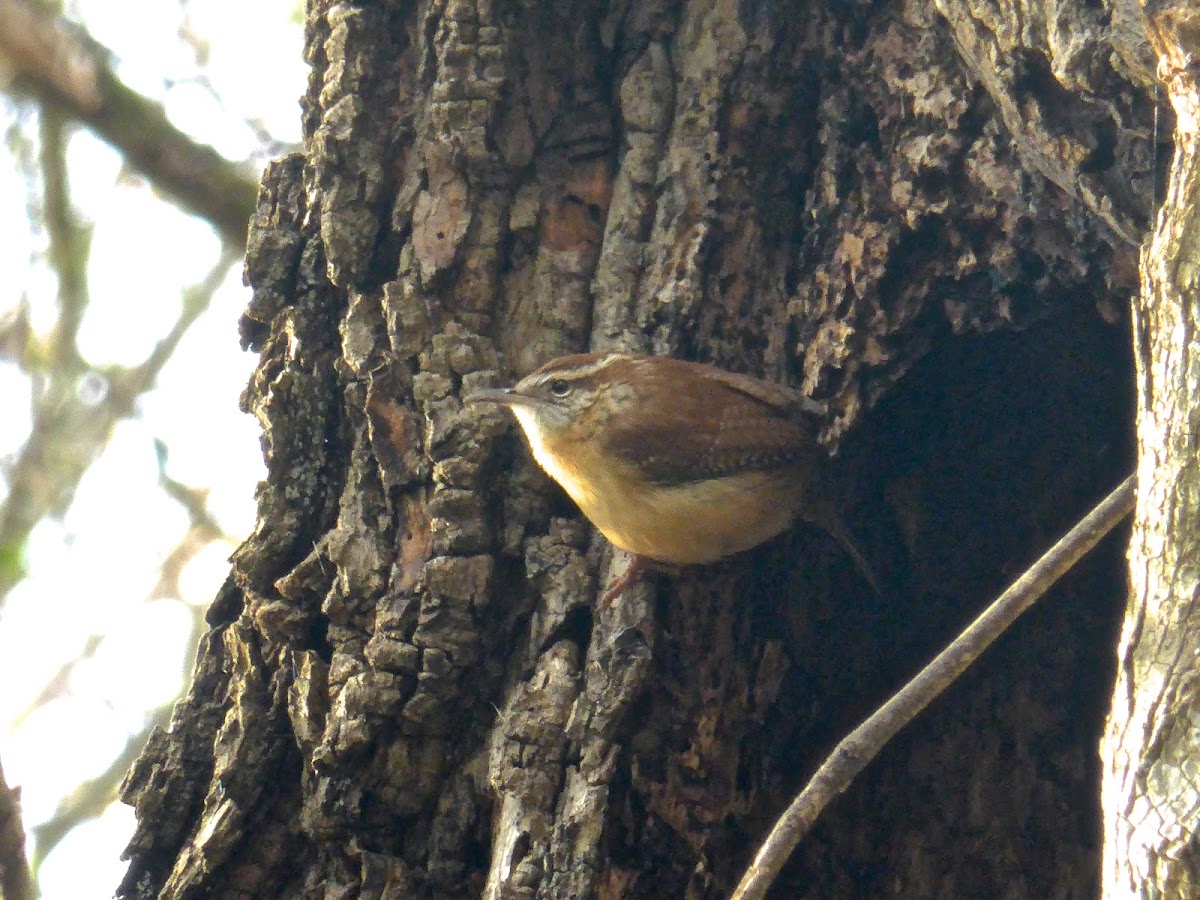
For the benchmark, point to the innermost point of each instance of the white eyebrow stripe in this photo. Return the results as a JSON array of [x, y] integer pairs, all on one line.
[[584, 371]]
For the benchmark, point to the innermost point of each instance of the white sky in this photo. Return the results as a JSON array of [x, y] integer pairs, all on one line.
[[93, 572]]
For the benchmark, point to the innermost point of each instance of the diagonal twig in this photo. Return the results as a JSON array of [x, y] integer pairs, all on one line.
[[862, 745], [68, 433], [56, 62]]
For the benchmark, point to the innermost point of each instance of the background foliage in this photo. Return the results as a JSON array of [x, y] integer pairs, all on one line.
[[133, 138]]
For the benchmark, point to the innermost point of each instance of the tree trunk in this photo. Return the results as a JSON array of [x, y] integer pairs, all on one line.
[[926, 220], [1151, 753]]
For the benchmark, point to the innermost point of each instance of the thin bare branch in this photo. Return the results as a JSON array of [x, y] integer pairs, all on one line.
[[90, 798], [69, 241], [69, 431], [864, 743], [55, 62]]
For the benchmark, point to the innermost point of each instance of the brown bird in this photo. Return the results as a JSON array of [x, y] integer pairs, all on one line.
[[675, 462]]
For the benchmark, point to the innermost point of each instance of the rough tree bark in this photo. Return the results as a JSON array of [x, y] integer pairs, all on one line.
[[1151, 752], [924, 214]]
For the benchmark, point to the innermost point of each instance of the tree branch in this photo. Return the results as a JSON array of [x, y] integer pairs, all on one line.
[[90, 798], [862, 745], [1150, 789], [16, 881], [69, 432], [59, 65]]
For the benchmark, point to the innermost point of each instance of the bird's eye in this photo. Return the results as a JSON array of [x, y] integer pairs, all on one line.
[[560, 388]]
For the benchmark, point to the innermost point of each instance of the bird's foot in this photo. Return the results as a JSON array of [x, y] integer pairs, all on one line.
[[634, 569]]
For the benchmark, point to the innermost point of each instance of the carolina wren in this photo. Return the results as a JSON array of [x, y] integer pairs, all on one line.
[[674, 461]]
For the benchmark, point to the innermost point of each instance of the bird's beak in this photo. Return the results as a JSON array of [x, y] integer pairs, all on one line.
[[503, 396]]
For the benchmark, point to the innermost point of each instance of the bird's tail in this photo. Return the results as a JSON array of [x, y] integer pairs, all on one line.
[[842, 536]]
